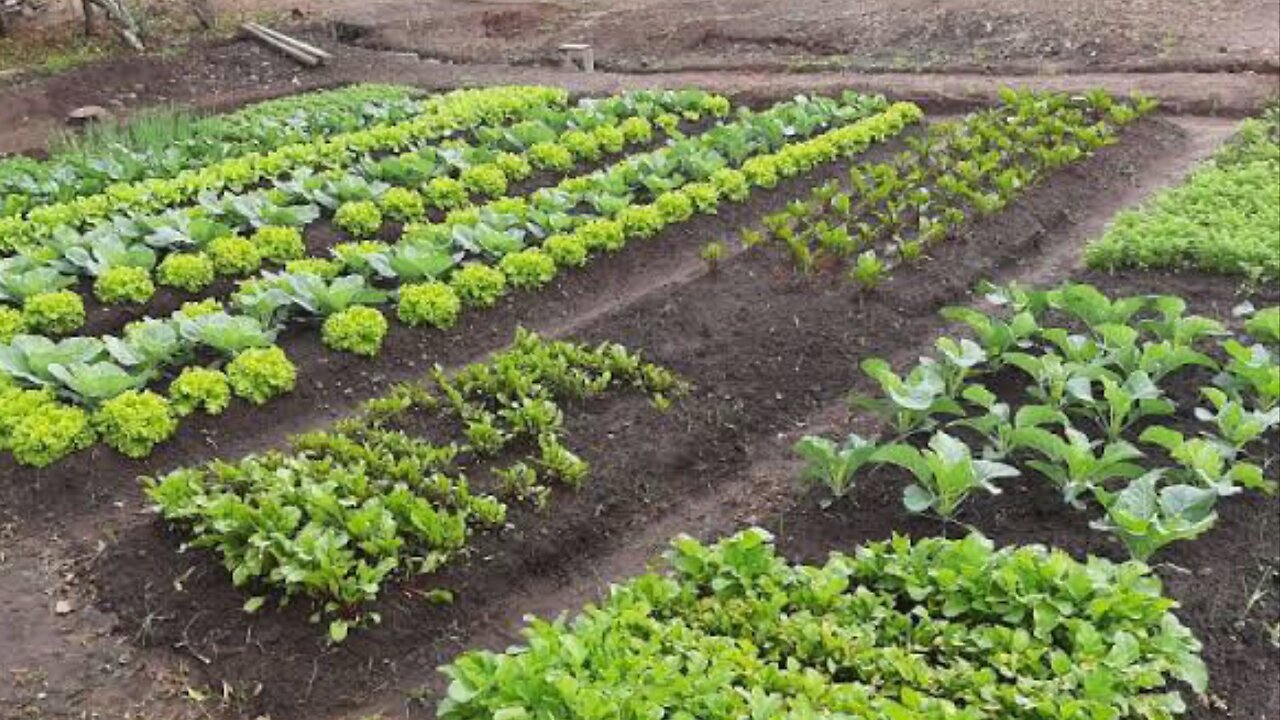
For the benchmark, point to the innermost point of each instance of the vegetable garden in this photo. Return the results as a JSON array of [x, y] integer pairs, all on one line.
[[374, 372]]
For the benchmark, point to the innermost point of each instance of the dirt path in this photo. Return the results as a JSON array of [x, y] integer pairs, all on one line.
[[227, 74], [1001, 36]]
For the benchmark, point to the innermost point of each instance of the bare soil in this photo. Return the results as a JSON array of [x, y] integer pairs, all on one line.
[[916, 35]]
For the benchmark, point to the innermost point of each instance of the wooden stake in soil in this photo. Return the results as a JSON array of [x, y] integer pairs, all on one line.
[[578, 55]]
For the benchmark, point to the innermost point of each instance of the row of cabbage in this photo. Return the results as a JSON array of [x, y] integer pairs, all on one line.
[[378, 499], [471, 259], [951, 173], [441, 116], [26, 183], [1099, 410]]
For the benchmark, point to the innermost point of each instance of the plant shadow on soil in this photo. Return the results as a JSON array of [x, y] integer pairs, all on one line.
[[765, 350]]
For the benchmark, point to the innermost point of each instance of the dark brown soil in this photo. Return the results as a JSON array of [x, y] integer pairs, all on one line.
[[794, 344]]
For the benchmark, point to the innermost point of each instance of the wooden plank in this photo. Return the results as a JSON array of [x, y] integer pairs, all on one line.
[[304, 47], [292, 52]]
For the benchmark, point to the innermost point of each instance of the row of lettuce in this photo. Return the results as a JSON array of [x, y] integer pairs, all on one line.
[[470, 259], [186, 142], [1087, 403], [127, 253]]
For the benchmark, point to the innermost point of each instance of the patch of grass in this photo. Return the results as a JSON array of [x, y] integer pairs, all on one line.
[[167, 29], [51, 50], [149, 131], [1225, 218]]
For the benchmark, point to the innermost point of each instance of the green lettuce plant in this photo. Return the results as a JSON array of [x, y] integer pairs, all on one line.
[[566, 250], [234, 256], [191, 272], [259, 374], [124, 284], [135, 422], [478, 285], [360, 218], [322, 267], [402, 204], [358, 330], [484, 180], [54, 431], [198, 388], [279, 244], [528, 269], [11, 324], [55, 313], [434, 304]]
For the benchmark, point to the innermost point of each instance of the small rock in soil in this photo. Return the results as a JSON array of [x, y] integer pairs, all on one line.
[[88, 114], [62, 607]]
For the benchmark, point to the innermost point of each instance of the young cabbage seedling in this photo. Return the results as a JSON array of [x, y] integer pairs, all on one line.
[[1087, 304], [834, 465], [1146, 518], [1122, 404], [1208, 464], [996, 336], [999, 428], [1057, 382], [1235, 425], [1175, 327], [909, 404], [946, 474], [958, 361], [1073, 465], [1251, 370]]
